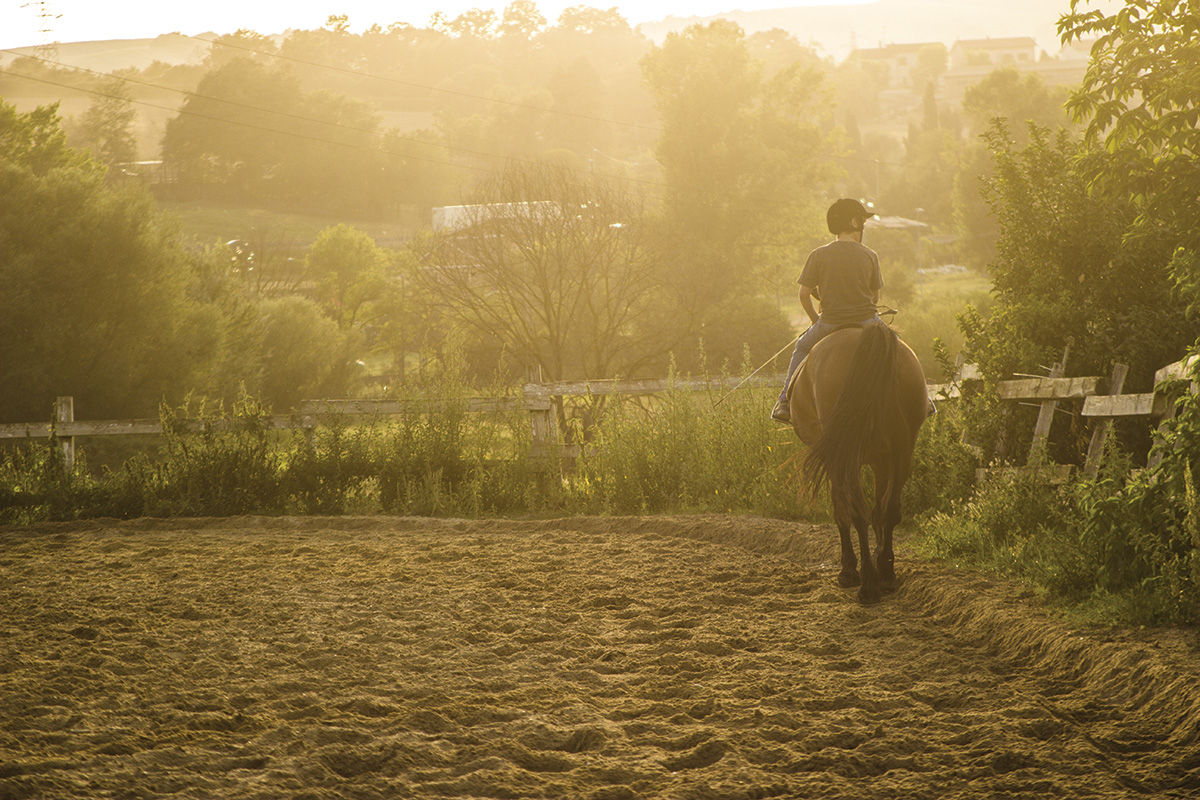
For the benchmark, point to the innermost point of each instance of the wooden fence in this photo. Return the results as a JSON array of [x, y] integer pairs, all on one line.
[[536, 399], [1101, 400]]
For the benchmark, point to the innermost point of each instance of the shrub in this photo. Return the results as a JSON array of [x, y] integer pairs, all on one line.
[[229, 466], [682, 453], [943, 474], [330, 468]]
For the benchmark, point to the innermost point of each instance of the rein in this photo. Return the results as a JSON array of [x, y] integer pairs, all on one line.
[[886, 312]]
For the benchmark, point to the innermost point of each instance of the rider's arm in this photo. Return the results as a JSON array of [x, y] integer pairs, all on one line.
[[806, 300]]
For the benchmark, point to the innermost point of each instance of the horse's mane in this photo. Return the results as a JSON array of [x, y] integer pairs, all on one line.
[[861, 415]]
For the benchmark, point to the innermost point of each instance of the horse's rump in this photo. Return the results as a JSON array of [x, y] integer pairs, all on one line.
[[858, 398]]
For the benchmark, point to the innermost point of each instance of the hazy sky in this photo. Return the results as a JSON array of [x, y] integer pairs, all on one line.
[[86, 20]]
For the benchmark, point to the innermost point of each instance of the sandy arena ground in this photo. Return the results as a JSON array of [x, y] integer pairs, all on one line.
[[681, 657]]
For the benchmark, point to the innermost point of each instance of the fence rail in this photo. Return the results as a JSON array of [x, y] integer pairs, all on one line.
[[536, 399], [1101, 401]]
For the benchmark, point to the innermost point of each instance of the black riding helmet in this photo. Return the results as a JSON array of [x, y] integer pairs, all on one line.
[[841, 215]]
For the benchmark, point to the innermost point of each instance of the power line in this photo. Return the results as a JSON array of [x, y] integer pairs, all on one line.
[[362, 74], [397, 81], [342, 126], [295, 134]]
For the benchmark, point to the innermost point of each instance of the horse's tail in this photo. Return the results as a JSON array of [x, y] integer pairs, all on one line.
[[867, 399]]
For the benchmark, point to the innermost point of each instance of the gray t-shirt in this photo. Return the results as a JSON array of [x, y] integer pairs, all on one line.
[[845, 275]]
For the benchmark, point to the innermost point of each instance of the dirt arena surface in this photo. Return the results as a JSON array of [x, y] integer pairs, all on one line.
[[680, 657]]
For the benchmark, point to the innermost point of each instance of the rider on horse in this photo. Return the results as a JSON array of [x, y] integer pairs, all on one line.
[[844, 276]]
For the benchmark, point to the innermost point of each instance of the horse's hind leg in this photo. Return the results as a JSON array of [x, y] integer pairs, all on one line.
[[869, 592], [884, 518], [854, 506], [848, 577]]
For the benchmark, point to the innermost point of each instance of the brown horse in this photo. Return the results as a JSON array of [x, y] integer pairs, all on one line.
[[859, 400]]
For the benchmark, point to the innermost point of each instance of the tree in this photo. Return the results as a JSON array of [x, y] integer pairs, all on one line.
[[931, 65], [1139, 100], [94, 301], [747, 167], [1007, 94], [521, 20], [242, 43], [249, 132], [1064, 272], [587, 19], [35, 140], [346, 267], [107, 126], [559, 270], [234, 129], [474, 23], [299, 353], [580, 93]]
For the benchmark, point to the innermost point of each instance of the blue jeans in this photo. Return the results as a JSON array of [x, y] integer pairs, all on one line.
[[816, 332]]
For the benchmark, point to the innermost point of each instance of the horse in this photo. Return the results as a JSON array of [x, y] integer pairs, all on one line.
[[859, 399]]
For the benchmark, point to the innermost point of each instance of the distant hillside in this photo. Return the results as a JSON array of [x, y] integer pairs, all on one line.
[[106, 56], [840, 29]]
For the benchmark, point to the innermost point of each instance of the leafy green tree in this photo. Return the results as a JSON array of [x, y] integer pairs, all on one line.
[[250, 133], [94, 302], [474, 23], [932, 60], [1139, 100], [522, 20], [242, 43], [778, 50], [1064, 271], [747, 167], [1017, 98], [224, 134], [588, 19], [300, 354], [35, 140], [346, 267], [580, 93], [106, 128]]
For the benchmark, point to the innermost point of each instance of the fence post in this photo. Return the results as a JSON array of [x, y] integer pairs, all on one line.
[[1046, 416], [1100, 435], [542, 421], [64, 411], [1180, 369]]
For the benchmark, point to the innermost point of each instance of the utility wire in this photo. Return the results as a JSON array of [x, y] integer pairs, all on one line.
[[397, 81], [637, 125], [301, 118]]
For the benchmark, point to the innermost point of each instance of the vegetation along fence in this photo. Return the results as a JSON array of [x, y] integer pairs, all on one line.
[[1101, 399], [536, 399], [1102, 402]]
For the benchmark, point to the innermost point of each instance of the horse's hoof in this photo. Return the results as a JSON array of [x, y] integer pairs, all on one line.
[[848, 580], [869, 597]]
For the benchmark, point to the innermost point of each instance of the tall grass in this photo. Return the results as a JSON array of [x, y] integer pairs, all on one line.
[[690, 451], [675, 452]]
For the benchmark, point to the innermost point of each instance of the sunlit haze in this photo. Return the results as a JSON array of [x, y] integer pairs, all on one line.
[[22, 23]]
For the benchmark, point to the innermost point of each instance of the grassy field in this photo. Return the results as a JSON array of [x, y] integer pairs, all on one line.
[[207, 223]]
